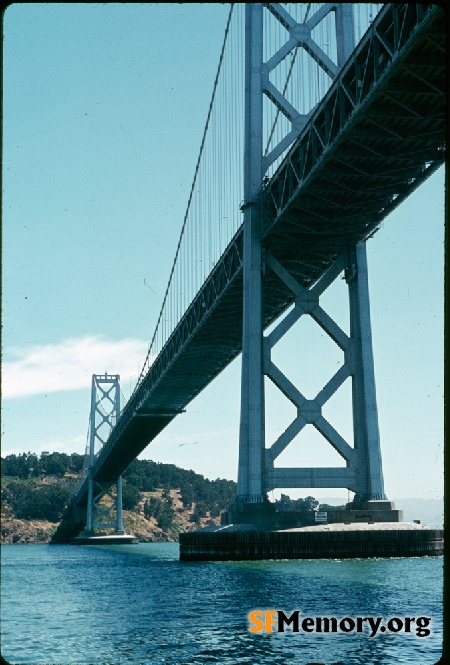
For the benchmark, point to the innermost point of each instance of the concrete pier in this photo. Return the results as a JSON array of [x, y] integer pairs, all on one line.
[[242, 542], [268, 518]]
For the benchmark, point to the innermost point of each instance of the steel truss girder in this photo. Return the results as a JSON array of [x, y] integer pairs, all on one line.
[[386, 42]]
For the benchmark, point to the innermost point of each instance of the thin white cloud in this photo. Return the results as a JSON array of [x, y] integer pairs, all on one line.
[[69, 365]]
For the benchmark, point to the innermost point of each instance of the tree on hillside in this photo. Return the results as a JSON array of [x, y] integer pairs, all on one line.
[[18, 494], [165, 519], [325, 507], [140, 476], [310, 503], [55, 464], [23, 466], [152, 507], [76, 463], [130, 496], [285, 503], [45, 502], [10, 466], [187, 495], [49, 503]]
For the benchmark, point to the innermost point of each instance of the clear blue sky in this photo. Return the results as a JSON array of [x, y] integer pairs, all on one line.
[[104, 108]]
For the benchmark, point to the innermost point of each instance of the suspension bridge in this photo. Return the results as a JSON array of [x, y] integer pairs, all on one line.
[[337, 112]]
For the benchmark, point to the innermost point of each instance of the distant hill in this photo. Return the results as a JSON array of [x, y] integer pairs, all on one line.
[[429, 511]]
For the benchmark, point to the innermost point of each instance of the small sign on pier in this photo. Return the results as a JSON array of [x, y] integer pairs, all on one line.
[[321, 517]]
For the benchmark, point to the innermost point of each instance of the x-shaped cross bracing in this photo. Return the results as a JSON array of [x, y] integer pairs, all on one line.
[[300, 36], [308, 411], [104, 516]]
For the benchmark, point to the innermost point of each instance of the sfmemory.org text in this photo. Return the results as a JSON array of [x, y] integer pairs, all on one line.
[[277, 621]]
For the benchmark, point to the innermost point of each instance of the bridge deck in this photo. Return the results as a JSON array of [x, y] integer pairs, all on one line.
[[376, 136]]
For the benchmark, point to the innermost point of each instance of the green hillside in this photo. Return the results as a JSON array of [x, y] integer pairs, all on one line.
[[159, 500]]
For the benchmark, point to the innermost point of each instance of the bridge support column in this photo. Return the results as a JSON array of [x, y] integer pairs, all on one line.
[[369, 474], [119, 515], [252, 485], [251, 437], [105, 409], [257, 474]]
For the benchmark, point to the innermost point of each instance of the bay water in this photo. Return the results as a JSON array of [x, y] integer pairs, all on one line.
[[138, 604]]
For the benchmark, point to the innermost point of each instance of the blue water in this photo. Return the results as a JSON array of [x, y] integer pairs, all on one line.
[[138, 604]]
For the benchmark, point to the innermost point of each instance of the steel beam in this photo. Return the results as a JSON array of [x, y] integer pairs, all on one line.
[[251, 434], [311, 477]]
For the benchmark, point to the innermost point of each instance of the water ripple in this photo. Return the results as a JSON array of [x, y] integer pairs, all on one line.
[[134, 605]]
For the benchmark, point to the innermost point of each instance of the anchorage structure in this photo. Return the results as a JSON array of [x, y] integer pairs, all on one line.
[[105, 410], [257, 474]]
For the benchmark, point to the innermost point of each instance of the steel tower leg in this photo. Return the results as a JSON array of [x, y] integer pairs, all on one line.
[[369, 475], [119, 515], [345, 32], [251, 437], [91, 453]]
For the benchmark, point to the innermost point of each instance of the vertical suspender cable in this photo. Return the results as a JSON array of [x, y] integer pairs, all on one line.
[[197, 168]]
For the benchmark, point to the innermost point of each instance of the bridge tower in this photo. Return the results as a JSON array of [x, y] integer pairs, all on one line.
[[257, 475], [105, 410]]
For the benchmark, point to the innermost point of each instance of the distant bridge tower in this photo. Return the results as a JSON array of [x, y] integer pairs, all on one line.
[[257, 474], [105, 410]]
